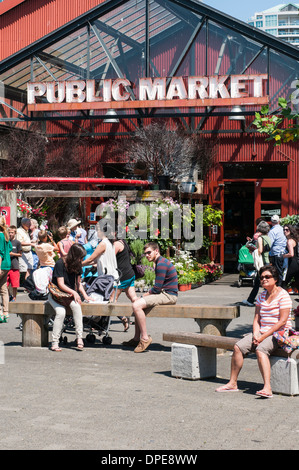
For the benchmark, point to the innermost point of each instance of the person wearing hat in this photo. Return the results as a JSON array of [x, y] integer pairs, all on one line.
[[278, 247], [75, 232]]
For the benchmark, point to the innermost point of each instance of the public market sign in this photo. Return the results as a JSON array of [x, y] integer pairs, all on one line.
[[216, 90]]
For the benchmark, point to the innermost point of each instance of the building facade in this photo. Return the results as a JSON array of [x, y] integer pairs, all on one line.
[[282, 21], [66, 66]]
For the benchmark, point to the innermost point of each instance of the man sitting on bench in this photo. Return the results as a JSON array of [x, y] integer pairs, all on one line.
[[165, 291]]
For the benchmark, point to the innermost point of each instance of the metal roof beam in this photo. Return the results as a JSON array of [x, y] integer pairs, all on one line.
[[60, 33], [62, 64], [240, 27]]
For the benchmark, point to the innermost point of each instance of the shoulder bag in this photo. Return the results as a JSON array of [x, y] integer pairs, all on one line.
[[61, 297]]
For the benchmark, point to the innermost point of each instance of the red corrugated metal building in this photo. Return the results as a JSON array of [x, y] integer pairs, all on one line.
[[50, 41]]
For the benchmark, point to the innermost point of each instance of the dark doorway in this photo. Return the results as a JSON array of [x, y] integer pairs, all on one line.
[[238, 220]]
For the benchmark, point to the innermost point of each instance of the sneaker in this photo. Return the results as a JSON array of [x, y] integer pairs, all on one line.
[[248, 304], [143, 345], [132, 343]]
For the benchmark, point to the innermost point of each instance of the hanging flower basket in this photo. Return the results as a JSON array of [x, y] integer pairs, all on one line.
[[23, 209]]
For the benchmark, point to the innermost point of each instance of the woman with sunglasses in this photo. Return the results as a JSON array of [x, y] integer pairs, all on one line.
[[272, 313], [291, 255]]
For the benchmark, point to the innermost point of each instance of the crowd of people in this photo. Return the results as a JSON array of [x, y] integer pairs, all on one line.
[[28, 249], [276, 245]]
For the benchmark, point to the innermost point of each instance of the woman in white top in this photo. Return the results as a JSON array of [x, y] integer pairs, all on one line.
[[272, 313], [103, 256]]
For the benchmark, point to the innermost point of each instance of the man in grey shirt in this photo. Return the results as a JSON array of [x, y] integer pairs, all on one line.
[[278, 246]]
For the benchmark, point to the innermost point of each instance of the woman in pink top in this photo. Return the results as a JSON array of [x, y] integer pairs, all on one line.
[[272, 313]]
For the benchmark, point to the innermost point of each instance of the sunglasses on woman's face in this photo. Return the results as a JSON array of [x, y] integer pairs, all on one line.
[[286, 229], [267, 276]]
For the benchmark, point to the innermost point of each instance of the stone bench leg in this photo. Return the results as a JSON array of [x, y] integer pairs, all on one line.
[[35, 331], [284, 375], [192, 362], [212, 327]]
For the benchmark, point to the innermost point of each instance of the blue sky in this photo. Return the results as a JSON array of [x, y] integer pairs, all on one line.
[[240, 9]]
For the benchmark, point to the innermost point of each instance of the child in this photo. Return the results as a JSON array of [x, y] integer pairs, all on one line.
[[13, 277], [65, 242], [45, 249]]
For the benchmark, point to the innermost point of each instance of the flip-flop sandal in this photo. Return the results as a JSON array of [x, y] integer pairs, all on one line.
[[79, 344], [262, 394], [226, 389], [55, 348]]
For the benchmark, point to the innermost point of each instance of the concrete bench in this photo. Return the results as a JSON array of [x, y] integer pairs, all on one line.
[[35, 316], [194, 356]]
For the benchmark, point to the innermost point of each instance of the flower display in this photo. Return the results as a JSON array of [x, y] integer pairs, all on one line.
[[26, 210], [23, 208], [117, 205], [214, 271], [191, 272]]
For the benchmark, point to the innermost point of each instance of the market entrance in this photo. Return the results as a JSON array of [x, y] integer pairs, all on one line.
[[238, 220], [243, 201]]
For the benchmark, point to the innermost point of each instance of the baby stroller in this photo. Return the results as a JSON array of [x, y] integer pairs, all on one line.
[[36, 285], [100, 289], [247, 271]]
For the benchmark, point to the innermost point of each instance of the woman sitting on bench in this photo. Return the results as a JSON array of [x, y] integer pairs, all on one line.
[[67, 277], [272, 313]]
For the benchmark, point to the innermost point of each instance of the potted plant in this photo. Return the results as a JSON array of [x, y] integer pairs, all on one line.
[[164, 152], [214, 271], [200, 276], [184, 281]]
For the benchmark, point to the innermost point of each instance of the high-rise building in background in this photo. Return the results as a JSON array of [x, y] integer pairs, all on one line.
[[281, 20]]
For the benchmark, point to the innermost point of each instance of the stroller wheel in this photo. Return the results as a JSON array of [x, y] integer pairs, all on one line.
[[107, 340], [63, 340], [90, 338]]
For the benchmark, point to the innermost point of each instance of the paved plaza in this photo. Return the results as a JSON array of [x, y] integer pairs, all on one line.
[[109, 398]]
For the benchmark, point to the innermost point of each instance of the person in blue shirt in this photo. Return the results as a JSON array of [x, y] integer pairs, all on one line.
[[278, 247]]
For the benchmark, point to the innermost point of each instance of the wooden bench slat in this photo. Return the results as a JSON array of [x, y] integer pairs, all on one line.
[[213, 341], [116, 309], [199, 339], [29, 308]]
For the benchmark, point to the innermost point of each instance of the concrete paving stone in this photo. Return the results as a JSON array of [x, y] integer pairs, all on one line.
[[109, 398]]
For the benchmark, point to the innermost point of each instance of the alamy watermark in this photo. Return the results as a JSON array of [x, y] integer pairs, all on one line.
[[166, 220]]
